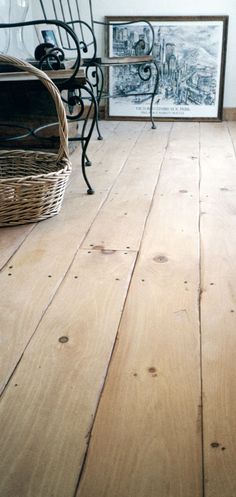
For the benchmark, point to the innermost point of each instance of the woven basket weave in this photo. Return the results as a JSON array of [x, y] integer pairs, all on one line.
[[32, 184]]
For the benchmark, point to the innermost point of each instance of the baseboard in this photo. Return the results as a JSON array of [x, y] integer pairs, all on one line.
[[229, 114]]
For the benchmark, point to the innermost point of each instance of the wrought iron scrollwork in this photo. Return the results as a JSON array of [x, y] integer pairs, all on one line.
[[145, 71], [74, 102], [136, 21], [59, 24], [52, 58], [87, 39], [78, 94]]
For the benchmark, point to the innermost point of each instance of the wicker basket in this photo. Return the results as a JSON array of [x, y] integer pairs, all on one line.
[[32, 184]]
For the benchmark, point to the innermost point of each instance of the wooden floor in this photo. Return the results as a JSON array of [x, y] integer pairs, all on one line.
[[118, 324]]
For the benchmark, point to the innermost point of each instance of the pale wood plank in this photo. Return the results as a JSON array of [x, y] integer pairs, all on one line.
[[146, 440], [232, 131], [218, 234], [39, 266], [10, 240], [47, 410], [106, 130], [121, 220], [106, 161], [113, 154]]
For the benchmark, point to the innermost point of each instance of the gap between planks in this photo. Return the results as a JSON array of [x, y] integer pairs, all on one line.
[[104, 252], [48, 253], [121, 220], [218, 306], [13, 237], [47, 410], [136, 448], [210, 489]]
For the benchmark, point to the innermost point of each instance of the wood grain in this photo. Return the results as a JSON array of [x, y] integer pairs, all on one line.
[[146, 440], [148, 432], [47, 411], [218, 308], [39, 266], [10, 240], [121, 220]]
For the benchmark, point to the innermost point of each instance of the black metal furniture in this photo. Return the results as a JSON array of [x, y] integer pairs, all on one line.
[[85, 25], [77, 95]]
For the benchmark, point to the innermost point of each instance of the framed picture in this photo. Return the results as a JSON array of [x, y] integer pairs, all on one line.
[[47, 33], [189, 53]]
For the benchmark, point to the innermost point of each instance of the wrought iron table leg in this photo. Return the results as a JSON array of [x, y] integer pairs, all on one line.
[[88, 162], [154, 94], [99, 95], [90, 190], [86, 138], [98, 86], [99, 137]]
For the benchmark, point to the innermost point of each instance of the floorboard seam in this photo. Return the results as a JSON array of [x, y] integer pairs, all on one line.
[[104, 383], [19, 246], [156, 186], [118, 328], [231, 138], [36, 328], [4, 388], [96, 144], [199, 313], [111, 187]]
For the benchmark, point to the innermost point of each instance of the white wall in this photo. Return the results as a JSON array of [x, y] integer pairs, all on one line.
[[144, 8]]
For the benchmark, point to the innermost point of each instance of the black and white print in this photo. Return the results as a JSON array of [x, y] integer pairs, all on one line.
[[188, 54]]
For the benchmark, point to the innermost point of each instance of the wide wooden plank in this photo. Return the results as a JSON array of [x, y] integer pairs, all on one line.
[[39, 266], [10, 240], [218, 246], [113, 154], [146, 440], [47, 411], [106, 131], [121, 220], [232, 131]]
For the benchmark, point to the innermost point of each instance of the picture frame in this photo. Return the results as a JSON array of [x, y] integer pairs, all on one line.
[[47, 33], [190, 53]]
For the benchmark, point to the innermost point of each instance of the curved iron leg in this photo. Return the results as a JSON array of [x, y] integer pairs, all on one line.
[[99, 137], [96, 87], [154, 94], [88, 162], [90, 190], [99, 96], [86, 139]]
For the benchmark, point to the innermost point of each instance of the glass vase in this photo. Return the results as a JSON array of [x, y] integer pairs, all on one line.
[[17, 13], [4, 33]]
